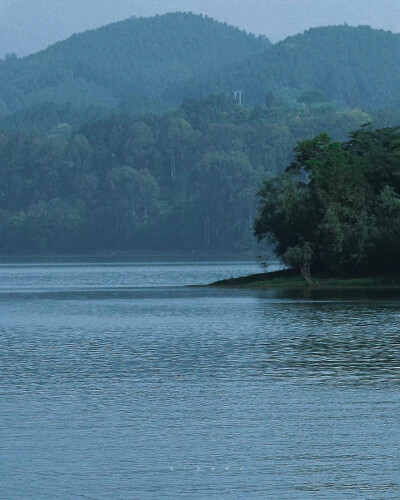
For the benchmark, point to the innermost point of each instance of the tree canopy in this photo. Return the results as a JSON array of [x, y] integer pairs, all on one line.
[[337, 206], [132, 61], [183, 181], [359, 67], [151, 64]]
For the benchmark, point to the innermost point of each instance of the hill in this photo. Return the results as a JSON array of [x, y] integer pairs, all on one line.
[[150, 65], [359, 67], [97, 155], [136, 57], [185, 181]]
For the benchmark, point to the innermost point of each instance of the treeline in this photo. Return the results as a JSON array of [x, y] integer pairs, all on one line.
[[358, 67], [336, 209], [184, 181]]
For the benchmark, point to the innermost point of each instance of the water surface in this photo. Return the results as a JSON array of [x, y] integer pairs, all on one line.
[[118, 381]]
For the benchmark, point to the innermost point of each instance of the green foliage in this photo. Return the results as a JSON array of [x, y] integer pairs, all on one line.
[[358, 67], [149, 65], [270, 100], [183, 181], [337, 207], [45, 116], [133, 62], [95, 156], [311, 97], [299, 255]]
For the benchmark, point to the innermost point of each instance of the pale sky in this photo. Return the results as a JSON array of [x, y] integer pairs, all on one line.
[[27, 26]]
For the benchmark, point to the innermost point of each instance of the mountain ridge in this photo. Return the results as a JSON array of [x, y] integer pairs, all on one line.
[[133, 57], [358, 66], [150, 65]]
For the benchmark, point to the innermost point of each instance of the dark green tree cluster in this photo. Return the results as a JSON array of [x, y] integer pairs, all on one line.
[[184, 181], [336, 209]]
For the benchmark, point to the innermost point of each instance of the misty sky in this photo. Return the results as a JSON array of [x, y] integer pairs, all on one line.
[[30, 25]]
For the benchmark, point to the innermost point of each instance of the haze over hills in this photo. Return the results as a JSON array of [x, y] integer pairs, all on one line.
[[185, 181], [360, 67], [106, 146], [152, 64], [28, 26], [135, 57]]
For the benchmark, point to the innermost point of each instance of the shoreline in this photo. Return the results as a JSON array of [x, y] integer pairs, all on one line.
[[291, 279]]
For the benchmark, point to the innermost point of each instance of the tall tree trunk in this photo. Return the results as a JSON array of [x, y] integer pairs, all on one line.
[[305, 270]]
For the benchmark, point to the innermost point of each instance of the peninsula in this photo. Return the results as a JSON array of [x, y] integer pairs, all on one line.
[[334, 215], [291, 278]]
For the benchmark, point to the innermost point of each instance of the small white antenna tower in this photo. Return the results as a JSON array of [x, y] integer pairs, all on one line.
[[237, 94]]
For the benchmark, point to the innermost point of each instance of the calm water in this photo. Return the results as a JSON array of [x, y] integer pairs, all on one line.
[[118, 382]]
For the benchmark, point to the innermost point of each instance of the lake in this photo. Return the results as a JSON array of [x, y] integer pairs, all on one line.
[[118, 381]]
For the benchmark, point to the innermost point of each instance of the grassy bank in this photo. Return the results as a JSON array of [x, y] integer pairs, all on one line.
[[292, 279]]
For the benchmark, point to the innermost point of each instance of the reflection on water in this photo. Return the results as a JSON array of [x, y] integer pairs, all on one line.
[[128, 391], [340, 342], [91, 277]]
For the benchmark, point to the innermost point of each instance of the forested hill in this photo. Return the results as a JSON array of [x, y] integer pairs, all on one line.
[[185, 181], [358, 66], [136, 57], [149, 65], [81, 171]]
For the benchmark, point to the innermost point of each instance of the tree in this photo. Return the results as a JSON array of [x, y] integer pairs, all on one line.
[[300, 257], [337, 206], [270, 100], [113, 176]]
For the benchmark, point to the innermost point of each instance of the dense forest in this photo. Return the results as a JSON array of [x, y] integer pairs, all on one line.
[[336, 209], [183, 181], [358, 67], [152, 64], [124, 62], [100, 152]]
